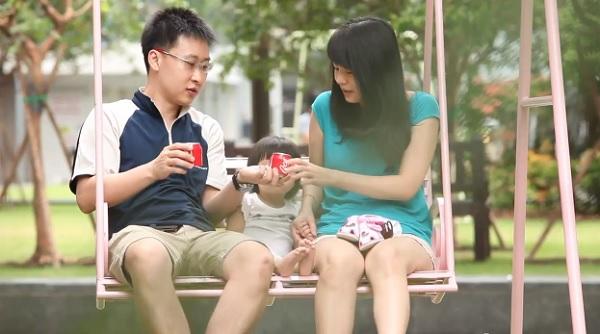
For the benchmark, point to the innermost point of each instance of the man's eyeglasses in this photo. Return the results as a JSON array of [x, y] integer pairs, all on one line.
[[203, 67]]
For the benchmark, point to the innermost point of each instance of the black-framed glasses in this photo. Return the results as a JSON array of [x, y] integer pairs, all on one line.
[[203, 67]]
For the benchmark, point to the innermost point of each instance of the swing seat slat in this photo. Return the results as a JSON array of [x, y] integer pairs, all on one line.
[[433, 283]]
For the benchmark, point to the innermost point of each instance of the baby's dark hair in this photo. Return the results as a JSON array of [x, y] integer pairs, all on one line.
[[264, 149]]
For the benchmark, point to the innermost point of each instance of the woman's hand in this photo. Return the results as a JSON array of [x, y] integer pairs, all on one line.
[[304, 226], [309, 173], [259, 174]]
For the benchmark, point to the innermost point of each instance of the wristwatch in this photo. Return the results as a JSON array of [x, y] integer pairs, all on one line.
[[240, 186]]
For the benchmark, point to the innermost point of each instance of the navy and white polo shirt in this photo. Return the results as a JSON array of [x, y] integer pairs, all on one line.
[[134, 133]]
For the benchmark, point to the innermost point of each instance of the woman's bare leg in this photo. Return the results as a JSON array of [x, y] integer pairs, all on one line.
[[340, 266], [387, 266]]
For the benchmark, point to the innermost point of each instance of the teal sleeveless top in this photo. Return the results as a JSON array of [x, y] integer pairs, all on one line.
[[359, 156]]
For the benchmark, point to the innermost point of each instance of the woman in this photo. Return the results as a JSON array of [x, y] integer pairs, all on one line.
[[371, 144]]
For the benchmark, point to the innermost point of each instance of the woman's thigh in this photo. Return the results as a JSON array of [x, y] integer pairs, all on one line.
[[399, 254], [334, 254]]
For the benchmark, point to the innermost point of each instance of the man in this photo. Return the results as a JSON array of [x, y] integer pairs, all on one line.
[[161, 206]]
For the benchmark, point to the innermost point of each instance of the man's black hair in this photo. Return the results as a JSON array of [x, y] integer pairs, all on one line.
[[167, 25]]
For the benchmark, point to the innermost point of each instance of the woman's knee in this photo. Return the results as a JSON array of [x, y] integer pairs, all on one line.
[[340, 263], [393, 258]]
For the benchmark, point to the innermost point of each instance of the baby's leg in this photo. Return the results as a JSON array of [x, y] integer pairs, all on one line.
[[286, 265], [307, 263]]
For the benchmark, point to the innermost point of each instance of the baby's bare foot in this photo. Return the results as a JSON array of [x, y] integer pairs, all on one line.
[[287, 264], [301, 251], [306, 265], [306, 243]]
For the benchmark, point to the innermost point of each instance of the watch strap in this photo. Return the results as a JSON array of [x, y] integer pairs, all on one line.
[[240, 186]]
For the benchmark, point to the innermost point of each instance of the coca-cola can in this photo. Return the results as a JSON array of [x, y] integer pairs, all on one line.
[[279, 161], [197, 153]]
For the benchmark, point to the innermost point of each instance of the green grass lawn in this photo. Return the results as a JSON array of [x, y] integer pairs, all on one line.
[[501, 260], [19, 193], [74, 239], [73, 236]]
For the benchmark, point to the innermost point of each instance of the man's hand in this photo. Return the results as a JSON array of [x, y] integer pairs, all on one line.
[[175, 158], [119, 187]]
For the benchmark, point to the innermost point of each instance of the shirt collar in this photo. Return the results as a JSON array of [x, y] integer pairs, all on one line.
[[145, 103]]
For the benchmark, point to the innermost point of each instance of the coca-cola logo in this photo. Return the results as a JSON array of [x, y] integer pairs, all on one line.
[[283, 167], [279, 161]]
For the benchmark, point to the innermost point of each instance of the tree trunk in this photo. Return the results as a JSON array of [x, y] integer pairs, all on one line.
[[451, 96], [590, 95], [45, 250], [12, 171], [260, 110], [591, 98], [261, 118], [453, 77]]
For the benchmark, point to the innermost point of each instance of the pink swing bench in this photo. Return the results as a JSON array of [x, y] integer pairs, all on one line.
[[433, 284]]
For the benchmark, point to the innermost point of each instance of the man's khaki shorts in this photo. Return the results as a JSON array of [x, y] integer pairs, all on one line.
[[192, 251]]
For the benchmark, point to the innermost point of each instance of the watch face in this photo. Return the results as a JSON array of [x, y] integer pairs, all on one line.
[[246, 187]]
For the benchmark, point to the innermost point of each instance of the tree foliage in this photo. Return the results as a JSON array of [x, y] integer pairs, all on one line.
[[267, 35], [121, 21], [580, 24]]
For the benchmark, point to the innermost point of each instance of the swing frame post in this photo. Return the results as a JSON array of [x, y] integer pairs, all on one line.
[[525, 102]]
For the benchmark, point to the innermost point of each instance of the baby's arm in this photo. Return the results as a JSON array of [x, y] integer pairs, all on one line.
[[236, 222]]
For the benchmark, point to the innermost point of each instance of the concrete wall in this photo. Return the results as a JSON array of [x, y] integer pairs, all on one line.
[[481, 306]]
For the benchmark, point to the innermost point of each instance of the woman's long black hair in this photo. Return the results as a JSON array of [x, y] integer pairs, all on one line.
[[368, 47]]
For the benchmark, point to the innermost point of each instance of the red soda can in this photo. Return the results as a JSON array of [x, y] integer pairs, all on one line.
[[279, 161], [197, 153]]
